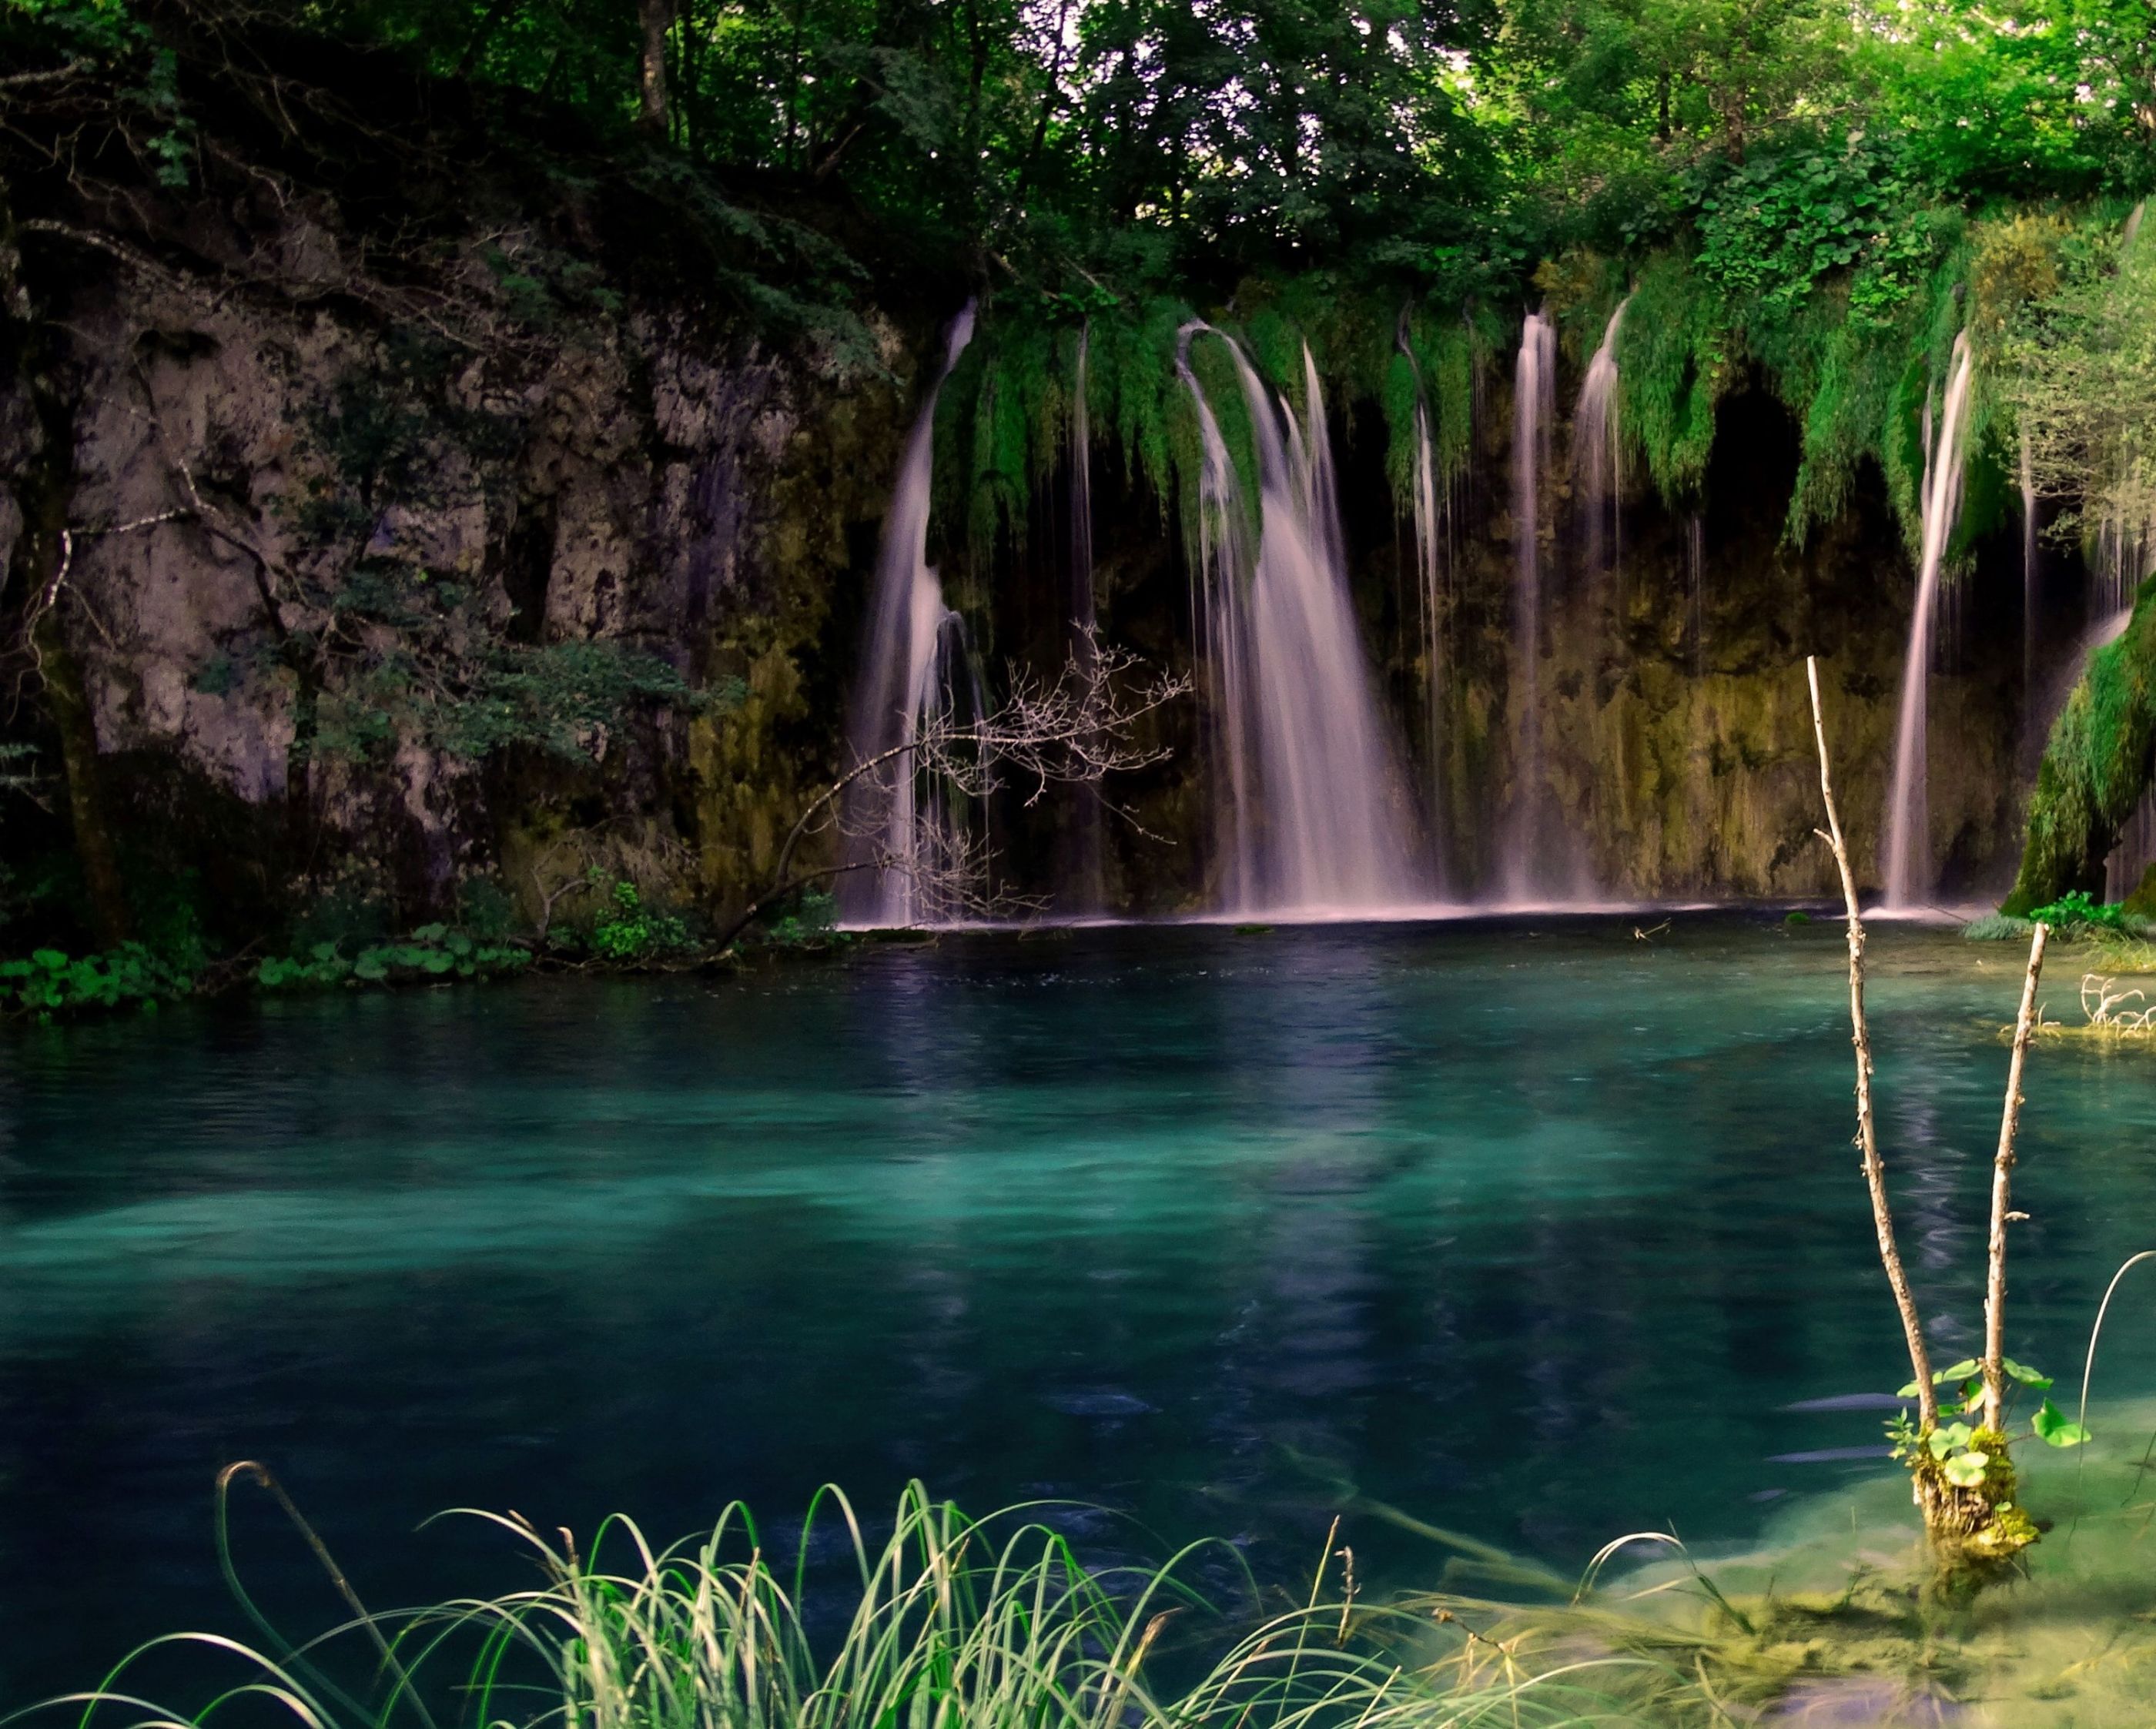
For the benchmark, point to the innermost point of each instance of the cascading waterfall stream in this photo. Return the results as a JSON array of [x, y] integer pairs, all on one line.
[[1907, 864], [1216, 598], [2030, 569], [1430, 511], [905, 839], [1525, 874], [1314, 825], [1596, 451]]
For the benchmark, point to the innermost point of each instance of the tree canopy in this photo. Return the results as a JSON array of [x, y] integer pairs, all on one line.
[[1056, 142]]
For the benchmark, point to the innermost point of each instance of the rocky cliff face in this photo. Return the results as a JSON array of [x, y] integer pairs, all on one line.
[[373, 590]]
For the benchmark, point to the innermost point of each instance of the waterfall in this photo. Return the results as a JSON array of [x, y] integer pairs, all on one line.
[[1310, 824], [1597, 452], [1430, 512], [1085, 890], [1907, 863], [908, 836], [2029, 571], [1534, 409]]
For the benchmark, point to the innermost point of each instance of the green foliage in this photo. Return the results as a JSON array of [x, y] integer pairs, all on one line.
[[813, 922], [472, 699], [433, 953], [1674, 364], [2076, 310], [2075, 912], [114, 35], [1967, 1457], [50, 981], [1997, 927], [1433, 368], [943, 1622], [625, 929], [1775, 226], [2095, 765]]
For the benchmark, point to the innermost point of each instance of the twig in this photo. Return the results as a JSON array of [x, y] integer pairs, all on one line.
[[1994, 1294], [1868, 1136]]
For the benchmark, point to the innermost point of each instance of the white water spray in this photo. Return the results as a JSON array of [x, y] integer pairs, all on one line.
[[1430, 508], [905, 837], [1596, 451], [1907, 864], [1524, 872], [1312, 824], [2029, 570]]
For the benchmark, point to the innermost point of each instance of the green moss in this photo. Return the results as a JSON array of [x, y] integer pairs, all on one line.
[[2095, 769], [1436, 367], [1676, 358]]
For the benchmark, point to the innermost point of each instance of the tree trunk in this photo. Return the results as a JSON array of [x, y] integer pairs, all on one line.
[[657, 18]]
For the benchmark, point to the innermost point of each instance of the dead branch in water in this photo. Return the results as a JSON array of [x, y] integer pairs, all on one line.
[[1995, 1292], [1867, 1137]]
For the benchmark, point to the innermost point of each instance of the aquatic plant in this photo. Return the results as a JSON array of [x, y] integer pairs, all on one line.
[[1002, 1623], [1963, 1480], [50, 981], [949, 1622], [432, 951], [2075, 910]]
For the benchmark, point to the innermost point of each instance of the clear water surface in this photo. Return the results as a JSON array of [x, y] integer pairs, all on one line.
[[1532, 1229]]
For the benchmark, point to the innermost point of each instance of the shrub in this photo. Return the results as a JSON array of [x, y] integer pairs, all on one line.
[[627, 929], [432, 951], [2074, 913], [50, 981]]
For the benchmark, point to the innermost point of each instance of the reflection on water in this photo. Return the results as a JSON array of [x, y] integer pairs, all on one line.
[[1532, 1229]]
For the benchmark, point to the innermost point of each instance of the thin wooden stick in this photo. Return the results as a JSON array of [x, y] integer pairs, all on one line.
[[1867, 1137], [2002, 1168]]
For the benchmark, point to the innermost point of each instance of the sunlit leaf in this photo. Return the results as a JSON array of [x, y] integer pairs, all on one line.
[[2055, 1428]]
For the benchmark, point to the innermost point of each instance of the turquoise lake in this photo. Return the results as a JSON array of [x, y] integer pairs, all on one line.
[[1530, 1230]]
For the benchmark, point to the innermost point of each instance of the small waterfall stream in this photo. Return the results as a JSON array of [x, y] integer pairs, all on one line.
[[1524, 873], [906, 835], [1429, 510], [1907, 861], [1313, 825], [1597, 452], [2030, 568]]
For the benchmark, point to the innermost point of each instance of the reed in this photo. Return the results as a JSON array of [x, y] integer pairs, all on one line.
[[949, 1623]]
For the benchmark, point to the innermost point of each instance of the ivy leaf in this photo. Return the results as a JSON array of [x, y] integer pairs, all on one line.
[[2055, 1429], [1960, 1371], [2026, 1376], [1965, 1470]]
